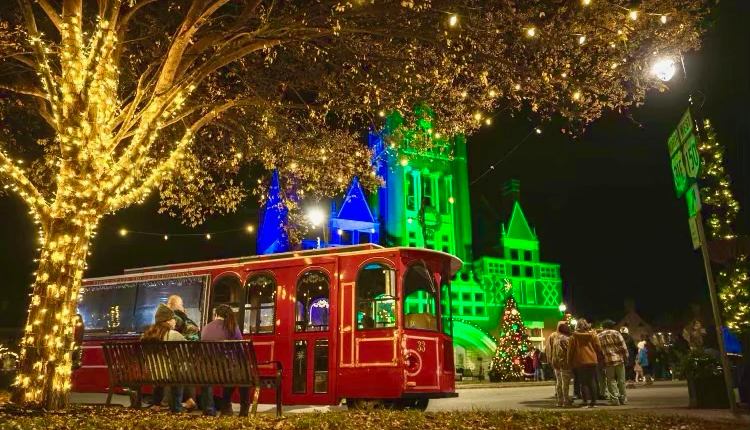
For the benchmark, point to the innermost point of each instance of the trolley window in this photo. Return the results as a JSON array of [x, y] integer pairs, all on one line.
[[260, 309], [227, 290], [446, 312], [108, 308], [151, 293], [312, 312], [376, 297], [419, 298]]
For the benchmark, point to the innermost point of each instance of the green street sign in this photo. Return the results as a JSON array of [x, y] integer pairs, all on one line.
[[693, 222], [693, 200], [673, 144], [679, 173], [691, 158], [685, 128]]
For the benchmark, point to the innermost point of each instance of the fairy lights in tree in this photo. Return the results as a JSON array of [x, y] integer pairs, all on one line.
[[139, 98], [512, 345], [716, 193]]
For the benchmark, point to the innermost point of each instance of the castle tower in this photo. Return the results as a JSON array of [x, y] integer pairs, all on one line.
[[272, 235], [425, 199]]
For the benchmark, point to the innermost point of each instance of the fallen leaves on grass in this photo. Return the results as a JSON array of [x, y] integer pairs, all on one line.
[[101, 418]]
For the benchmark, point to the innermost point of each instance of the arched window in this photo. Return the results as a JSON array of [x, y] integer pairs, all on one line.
[[376, 297], [227, 290], [313, 306], [419, 298], [260, 308]]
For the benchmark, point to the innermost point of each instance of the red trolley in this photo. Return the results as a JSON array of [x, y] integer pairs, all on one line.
[[361, 323]]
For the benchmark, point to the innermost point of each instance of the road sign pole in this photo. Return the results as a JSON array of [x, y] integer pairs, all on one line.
[[717, 316]]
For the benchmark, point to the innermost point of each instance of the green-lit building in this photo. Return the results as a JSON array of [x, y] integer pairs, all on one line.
[[425, 202]]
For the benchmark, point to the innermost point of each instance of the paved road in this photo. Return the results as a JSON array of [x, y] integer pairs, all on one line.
[[659, 395], [662, 397]]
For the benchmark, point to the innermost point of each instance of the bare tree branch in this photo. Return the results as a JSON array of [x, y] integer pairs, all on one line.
[[51, 13]]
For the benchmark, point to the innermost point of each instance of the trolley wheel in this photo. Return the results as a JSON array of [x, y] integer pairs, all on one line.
[[364, 404], [419, 403]]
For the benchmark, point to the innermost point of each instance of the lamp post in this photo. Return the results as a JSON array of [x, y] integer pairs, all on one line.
[[317, 218], [664, 69]]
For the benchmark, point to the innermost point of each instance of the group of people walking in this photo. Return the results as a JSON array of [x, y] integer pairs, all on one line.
[[599, 362], [171, 323]]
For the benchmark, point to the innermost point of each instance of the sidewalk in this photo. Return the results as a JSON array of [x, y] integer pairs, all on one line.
[[468, 385]]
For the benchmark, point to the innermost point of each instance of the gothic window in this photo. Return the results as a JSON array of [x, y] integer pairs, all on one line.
[[514, 254], [515, 270], [427, 195], [526, 255], [443, 195], [529, 271], [412, 182]]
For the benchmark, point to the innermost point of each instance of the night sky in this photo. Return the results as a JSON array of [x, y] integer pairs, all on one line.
[[603, 204]]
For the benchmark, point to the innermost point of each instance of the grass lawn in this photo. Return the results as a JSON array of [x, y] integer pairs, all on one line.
[[113, 418]]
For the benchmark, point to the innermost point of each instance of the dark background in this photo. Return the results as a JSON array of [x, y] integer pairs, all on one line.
[[603, 204]]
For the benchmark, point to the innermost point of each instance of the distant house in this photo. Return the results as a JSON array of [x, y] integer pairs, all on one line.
[[638, 327]]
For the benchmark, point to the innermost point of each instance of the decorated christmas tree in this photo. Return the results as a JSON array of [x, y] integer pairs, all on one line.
[[512, 345]]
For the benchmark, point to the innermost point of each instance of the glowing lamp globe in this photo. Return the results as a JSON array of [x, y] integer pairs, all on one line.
[[664, 69], [316, 217], [562, 307]]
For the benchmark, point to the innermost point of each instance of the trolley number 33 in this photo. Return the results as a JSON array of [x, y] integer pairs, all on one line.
[[421, 346]]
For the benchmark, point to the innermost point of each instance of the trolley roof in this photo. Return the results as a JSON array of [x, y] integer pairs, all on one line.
[[456, 263]]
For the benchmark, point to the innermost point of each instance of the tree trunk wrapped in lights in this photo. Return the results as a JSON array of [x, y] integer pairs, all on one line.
[[117, 100], [733, 279]]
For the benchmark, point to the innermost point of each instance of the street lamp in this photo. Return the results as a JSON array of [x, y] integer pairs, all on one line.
[[664, 69], [562, 308], [317, 217]]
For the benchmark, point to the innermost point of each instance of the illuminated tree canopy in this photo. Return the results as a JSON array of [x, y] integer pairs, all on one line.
[[119, 100]]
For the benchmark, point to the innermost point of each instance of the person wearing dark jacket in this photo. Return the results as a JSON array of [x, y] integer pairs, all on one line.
[[632, 355], [582, 356]]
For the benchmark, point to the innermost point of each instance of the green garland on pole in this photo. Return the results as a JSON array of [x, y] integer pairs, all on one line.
[[732, 281]]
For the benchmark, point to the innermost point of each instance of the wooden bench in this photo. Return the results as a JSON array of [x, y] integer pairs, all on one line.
[[228, 363]]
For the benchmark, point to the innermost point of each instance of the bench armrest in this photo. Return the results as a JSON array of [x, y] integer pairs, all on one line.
[[276, 363]]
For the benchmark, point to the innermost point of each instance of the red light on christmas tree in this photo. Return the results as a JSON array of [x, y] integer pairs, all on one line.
[[512, 345]]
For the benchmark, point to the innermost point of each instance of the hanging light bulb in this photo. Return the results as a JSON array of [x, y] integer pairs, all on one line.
[[582, 40], [663, 19], [488, 121], [166, 237], [531, 32], [208, 236], [633, 15], [123, 232], [250, 228], [453, 20]]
